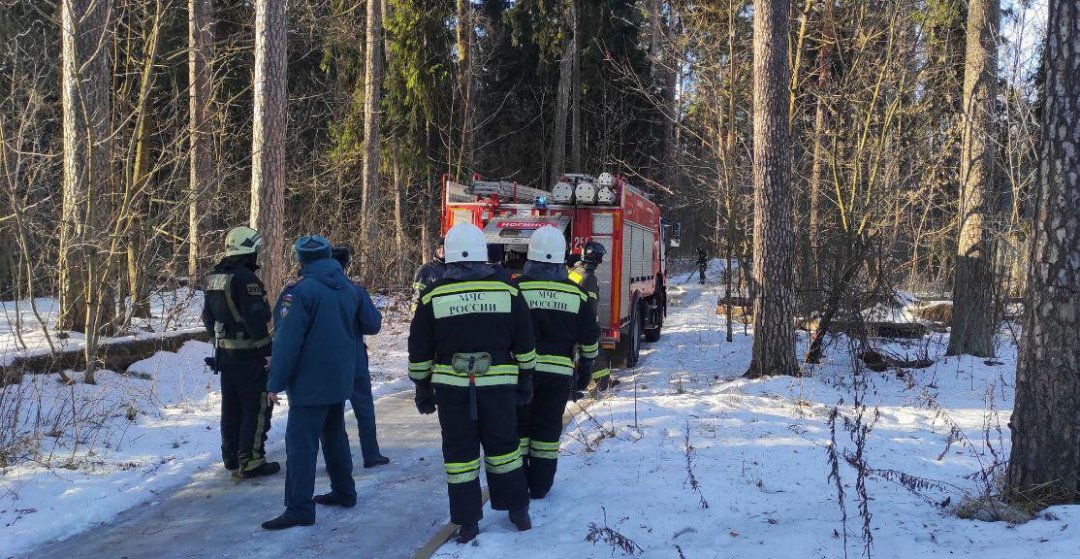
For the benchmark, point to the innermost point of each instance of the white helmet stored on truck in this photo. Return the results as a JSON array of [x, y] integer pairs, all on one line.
[[563, 193], [547, 245], [585, 193], [465, 243]]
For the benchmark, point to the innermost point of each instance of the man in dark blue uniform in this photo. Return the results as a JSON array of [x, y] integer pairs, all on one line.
[[363, 404], [237, 316], [317, 334]]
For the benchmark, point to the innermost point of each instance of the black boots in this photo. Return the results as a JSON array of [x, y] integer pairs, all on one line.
[[380, 461], [267, 469], [284, 521], [521, 519], [468, 533], [334, 500]]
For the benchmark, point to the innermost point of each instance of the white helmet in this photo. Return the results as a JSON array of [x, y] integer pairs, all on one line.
[[547, 245], [242, 240], [465, 243]]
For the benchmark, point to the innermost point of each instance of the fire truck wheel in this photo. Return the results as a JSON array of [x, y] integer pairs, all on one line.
[[653, 334]]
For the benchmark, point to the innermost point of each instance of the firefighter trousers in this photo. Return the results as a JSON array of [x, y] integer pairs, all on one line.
[[245, 413], [495, 429], [601, 372], [363, 405], [540, 427]]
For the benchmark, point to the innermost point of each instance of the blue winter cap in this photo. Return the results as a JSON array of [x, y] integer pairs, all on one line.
[[310, 248]]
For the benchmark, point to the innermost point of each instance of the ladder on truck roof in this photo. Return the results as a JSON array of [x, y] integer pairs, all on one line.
[[509, 192]]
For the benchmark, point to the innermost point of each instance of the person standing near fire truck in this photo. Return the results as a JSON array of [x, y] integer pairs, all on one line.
[[702, 264], [471, 355], [583, 273], [563, 320], [432, 271]]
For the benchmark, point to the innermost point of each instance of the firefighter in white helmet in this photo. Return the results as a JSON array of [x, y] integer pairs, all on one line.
[[564, 323], [237, 316], [471, 355]]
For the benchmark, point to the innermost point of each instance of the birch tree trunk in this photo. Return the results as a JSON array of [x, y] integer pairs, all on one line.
[[85, 83], [200, 36], [774, 238], [1045, 462], [401, 184], [726, 154], [973, 290], [373, 68], [135, 208], [268, 140]]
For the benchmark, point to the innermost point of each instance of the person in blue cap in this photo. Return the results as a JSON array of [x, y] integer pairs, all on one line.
[[317, 333], [363, 404]]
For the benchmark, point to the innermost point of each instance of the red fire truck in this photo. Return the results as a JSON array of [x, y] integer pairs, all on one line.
[[608, 210]]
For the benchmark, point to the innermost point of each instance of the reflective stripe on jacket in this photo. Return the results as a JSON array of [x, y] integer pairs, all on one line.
[[563, 319], [487, 315]]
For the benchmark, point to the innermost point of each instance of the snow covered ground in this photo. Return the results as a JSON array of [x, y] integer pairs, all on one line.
[[131, 439], [29, 327], [685, 459], [690, 460]]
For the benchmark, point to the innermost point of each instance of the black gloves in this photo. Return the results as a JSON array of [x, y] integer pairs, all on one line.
[[425, 398], [583, 375], [524, 387]]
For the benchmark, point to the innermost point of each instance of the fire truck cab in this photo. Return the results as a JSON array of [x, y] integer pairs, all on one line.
[[608, 210]]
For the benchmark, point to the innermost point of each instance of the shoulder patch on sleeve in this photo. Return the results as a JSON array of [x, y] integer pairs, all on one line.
[[254, 289]]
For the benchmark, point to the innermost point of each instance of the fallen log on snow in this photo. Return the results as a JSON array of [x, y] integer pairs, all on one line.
[[939, 313], [742, 314], [874, 329], [880, 362], [116, 355]]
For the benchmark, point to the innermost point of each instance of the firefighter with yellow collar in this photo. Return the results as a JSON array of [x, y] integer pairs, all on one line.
[[471, 355], [564, 323], [583, 273]]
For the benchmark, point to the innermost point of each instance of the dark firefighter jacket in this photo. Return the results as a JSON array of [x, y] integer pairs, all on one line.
[[236, 312], [428, 274], [562, 319], [585, 276], [458, 317]]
